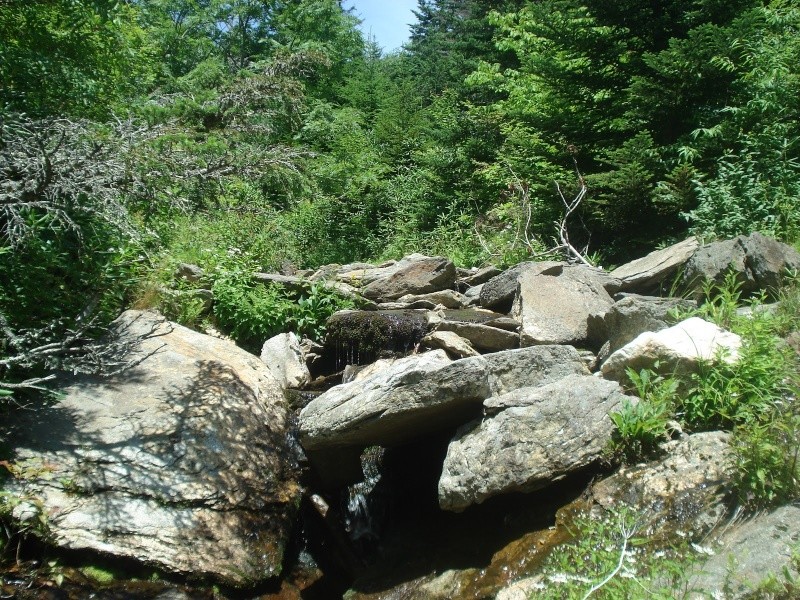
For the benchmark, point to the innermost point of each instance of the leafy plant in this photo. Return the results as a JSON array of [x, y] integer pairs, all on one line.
[[725, 394], [253, 312], [767, 467], [755, 396], [606, 558], [641, 426]]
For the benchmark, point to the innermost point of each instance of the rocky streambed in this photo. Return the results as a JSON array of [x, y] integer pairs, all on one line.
[[438, 445]]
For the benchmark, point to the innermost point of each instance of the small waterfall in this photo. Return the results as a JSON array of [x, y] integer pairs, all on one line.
[[364, 507], [358, 518], [361, 337]]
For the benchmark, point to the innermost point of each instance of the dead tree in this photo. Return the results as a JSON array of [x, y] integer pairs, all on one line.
[[571, 206]]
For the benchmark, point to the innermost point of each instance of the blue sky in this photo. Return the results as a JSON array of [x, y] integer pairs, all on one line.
[[386, 20]]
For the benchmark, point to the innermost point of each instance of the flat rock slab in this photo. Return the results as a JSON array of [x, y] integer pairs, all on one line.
[[415, 274], [751, 553], [657, 270], [678, 349], [444, 298], [181, 463], [452, 343], [479, 276], [531, 438], [482, 337], [418, 395], [557, 309]]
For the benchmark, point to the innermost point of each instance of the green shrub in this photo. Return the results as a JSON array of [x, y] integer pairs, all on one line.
[[766, 455], [643, 425], [756, 396], [722, 394], [253, 312], [224, 239], [183, 305]]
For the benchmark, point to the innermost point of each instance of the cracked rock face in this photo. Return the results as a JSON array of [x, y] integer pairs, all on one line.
[[530, 438], [180, 463]]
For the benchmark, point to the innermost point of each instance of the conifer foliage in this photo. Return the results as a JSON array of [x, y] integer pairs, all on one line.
[[276, 129]]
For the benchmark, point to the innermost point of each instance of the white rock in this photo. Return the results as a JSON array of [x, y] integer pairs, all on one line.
[[284, 358], [678, 349]]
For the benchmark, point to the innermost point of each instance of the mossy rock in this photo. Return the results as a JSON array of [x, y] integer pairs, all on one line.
[[361, 337]]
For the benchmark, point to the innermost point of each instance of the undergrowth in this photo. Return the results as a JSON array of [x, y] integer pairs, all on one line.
[[253, 312], [610, 558], [754, 397]]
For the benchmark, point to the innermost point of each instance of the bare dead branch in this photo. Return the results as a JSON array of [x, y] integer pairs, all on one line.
[[571, 206]]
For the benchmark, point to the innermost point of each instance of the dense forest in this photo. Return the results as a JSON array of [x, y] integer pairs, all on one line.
[[255, 135]]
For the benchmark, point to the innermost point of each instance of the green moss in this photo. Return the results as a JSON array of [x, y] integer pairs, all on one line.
[[360, 337], [102, 575]]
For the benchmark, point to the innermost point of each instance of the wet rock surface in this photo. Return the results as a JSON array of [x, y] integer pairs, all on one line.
[[748, 554], [361, 337], [688, 490]]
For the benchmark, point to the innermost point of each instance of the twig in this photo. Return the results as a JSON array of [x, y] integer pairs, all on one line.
[[627, 534]]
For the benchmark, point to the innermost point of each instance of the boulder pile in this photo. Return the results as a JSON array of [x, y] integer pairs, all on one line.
[[187, 461], [526, 365]]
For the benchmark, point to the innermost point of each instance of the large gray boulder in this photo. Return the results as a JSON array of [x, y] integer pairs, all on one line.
[[558, 309], [415, 274], [417, 395], [657, 271], [531, 438], [375, 410], [498, 293], [181, 463], [681, 348], [686, 491], [749, 554], [758, 262]]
